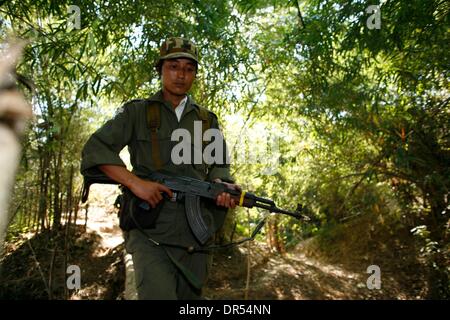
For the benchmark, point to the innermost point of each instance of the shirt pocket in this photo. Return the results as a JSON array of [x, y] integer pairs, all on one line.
[[145, 151]]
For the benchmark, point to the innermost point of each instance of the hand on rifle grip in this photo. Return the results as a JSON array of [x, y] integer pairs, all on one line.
[[224, 199]]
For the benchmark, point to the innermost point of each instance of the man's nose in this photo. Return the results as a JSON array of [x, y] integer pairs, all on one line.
[[181, 74]]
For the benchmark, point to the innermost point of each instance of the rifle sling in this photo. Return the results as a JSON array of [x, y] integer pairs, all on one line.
[[193, 249]]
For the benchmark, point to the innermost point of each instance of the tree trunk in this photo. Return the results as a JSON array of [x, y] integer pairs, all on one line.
[[57, 190]]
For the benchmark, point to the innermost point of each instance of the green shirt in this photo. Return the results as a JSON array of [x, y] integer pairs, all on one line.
[[129, 127]]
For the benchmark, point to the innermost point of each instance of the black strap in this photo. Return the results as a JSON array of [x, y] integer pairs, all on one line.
[[207, 249]]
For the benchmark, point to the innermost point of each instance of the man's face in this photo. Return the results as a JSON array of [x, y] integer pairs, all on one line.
[[177, 75]]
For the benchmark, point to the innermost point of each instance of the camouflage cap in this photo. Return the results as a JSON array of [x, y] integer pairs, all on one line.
[[174, 48]]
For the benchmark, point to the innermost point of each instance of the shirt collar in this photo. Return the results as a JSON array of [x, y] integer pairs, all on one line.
[[189, 102], [182, 103]]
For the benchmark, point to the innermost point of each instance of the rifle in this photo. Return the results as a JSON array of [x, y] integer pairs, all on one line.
[[192, 190]]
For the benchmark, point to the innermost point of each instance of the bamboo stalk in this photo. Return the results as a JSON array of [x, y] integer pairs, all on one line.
[[38, 265]]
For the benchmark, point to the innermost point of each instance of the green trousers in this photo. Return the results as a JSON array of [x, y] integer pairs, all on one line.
[[157, 276]]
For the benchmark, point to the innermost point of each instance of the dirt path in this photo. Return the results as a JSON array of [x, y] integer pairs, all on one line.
[[103, 222], [292, 276], [297, 276], [103, 274], [36, 265]]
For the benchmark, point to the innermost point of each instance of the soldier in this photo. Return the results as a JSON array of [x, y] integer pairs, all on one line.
[[146, 126]]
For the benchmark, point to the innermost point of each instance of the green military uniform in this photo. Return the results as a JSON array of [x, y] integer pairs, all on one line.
[[157, 276]]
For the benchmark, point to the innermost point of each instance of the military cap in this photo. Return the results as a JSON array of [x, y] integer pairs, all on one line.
[[176, 47]]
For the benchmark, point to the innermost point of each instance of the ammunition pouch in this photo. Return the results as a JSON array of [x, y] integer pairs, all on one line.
[[135, 212]]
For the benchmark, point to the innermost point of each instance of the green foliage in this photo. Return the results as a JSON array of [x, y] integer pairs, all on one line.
[[361, 117]]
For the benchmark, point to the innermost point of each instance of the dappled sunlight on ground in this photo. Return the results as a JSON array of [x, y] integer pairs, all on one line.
[[299, 275], [102, 217], [103, 222]]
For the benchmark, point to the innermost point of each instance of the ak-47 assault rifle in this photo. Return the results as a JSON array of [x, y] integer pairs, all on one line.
[[191, 190]]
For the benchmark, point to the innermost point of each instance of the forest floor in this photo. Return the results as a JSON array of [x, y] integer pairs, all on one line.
[[305, 273], [326, 268], [35, 266]]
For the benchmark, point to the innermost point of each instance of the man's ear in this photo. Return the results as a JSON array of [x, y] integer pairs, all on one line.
[[196, 72], [159, 68]]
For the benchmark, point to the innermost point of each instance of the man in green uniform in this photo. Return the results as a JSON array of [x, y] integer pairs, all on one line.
[[146, 127]]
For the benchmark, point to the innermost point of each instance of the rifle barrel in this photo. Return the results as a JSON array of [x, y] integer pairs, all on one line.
[[275, 209]]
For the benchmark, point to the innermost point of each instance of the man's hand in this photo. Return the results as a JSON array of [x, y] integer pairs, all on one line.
[[146, 190], [149, 191], [224, 199]]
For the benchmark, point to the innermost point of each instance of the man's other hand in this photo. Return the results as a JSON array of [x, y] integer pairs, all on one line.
[[224, 199]]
